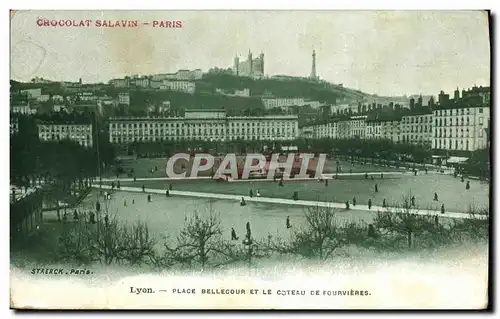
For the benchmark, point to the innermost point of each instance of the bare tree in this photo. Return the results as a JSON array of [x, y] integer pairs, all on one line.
[[138, 244], [320, 237], [74, 243], [197, 241], [403, 222], [475, 228], [106, 241]]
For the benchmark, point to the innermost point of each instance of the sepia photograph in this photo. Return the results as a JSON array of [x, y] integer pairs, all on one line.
[[264, 159]]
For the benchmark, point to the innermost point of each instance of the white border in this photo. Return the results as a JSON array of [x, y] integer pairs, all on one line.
[[189, 4]]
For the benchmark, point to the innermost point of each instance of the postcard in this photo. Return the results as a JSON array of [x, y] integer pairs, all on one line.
[[250, 159]]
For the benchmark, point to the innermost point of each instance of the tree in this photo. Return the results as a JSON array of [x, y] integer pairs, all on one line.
[[401, 222], [318, 239], [198, 240], [474, 228], [107, 241]]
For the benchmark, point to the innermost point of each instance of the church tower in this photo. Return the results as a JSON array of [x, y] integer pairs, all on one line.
[[313, 70], [236, 65], [250, 63]]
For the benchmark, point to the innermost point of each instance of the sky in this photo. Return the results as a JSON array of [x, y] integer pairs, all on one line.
[[389, 53]]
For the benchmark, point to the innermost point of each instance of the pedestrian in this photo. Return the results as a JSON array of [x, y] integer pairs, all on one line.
[[326, 182], [242, 202], [133, 201], [295, 195], [92, 218], [462, 179], [442, 209], [249, 231], [233, 234], [251, 193], [413, 201], [426, 170], [149, 198], [170, 187], [467, 185], [347, 205], [406, 203], [143, 188], [106, 220], [135, 178], [125, 202], [75, 215], [384, 204], [288, 225], [436, 197], [381, 175], [376, 188], [415, 172], [436, 220], [118, 184], [371, 231], [366, 175], [112, 185], [369, 204], [354, 201]]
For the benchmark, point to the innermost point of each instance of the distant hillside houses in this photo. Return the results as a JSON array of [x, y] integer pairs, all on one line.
[[279, 102], [181, 75], [242, 93]]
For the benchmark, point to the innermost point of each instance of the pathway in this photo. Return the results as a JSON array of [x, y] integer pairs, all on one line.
[[292, 202]]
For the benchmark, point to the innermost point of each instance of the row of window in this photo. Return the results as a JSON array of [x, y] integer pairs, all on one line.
[[440, 122], [236, 124], [129, 139], [441, 144], [450, 133], [413, 119], [455, 111], [64, 129], [204, 131]]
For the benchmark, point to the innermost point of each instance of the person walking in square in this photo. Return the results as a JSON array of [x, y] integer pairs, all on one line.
[[233, 234]]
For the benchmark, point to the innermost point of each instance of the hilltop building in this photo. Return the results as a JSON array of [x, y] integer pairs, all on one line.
[[251, 67]]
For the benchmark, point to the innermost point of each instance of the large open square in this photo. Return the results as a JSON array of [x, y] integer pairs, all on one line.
[[394, 188]]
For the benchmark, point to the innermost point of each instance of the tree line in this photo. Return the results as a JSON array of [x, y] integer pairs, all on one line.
[[203, 244]]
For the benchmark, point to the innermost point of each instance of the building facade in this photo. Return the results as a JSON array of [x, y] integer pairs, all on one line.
[[391, 130], [461, 128], [270, 103], [23, 109], [250, 67], [181, 75], [81, 133], [358, 126], [181, 86], [208, 125], [416, 128], [14, 125], [373, 129], [124, 98]]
